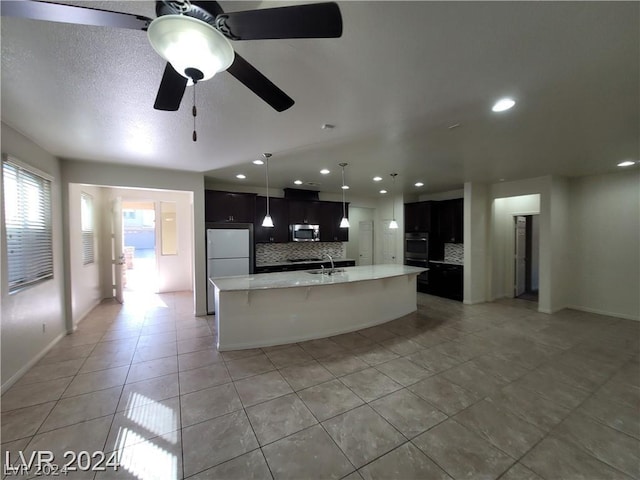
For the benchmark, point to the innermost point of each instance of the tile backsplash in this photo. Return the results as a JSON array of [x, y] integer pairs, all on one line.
[[267, 253], [454, 252]]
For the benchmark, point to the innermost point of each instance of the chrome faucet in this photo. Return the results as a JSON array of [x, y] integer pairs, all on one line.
[[332, 267]]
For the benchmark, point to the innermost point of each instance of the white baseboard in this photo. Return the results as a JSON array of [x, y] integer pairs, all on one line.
[[87, 312], [30, 363], [604, 312]]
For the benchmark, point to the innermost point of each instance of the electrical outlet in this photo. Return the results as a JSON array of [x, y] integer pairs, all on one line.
[[44, 327]]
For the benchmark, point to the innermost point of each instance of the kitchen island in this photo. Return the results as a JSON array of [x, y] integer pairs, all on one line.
[[279, 308]]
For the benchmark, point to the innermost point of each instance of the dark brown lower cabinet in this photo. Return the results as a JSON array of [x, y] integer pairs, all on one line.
[[446, 280]]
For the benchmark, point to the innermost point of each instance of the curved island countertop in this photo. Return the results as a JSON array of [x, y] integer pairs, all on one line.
[[303, 278], [287, 307]]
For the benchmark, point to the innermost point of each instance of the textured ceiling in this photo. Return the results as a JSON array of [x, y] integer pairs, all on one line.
[[401, 74]]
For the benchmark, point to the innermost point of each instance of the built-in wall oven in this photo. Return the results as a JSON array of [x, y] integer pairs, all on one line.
[[416, 246], [416, 254]]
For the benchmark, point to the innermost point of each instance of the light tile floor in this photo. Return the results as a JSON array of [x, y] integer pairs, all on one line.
[[452, 391]]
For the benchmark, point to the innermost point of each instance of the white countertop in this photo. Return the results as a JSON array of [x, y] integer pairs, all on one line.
[[303, 279]]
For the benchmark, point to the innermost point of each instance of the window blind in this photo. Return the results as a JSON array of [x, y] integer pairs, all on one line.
[[86, 211], [27, 203]]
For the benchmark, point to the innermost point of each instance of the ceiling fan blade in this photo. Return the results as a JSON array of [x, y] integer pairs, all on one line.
[[318, 20], [54, 12], [259, 84], [171, 90]]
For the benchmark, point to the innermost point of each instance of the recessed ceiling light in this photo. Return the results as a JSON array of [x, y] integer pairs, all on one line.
[[503, 104], [383, 191], [257, 161], [419, 184], [626, 163], [377, 179], [324, 171], [345, 187], [298, 182], [241, 176]]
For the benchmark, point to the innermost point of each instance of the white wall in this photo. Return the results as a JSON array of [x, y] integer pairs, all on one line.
[[480, 236], [175, 272], [85, 281], [114, 175], [559, 246], [503, 248], [25, 312], [476, 283], [535, 252], [589, 231], [604, 235]]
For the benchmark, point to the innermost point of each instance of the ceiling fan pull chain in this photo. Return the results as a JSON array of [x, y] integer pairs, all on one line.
[[194, 112]]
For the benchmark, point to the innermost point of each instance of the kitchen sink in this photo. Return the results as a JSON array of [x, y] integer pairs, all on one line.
[[326, 271]]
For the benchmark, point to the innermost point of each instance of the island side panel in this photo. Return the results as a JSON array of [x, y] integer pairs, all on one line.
[[266, 317]]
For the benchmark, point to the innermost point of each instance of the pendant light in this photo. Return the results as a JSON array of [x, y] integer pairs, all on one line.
[[344, 223], [393, 224], [268, 221]]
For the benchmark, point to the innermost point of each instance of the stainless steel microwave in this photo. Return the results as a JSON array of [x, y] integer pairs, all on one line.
[[305, 233]]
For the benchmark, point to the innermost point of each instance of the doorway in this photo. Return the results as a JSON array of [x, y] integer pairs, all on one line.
[[139, 247], [389, 242], [526, 257], [365, 242]]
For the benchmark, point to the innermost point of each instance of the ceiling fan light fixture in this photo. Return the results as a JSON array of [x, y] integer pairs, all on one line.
[[188, 43]]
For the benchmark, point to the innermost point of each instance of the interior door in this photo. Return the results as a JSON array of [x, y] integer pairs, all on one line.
[[118, 269], [389, 239], [365, 243], [520, 255]]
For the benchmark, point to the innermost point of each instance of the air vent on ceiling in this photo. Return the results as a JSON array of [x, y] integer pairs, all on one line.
[[299, 194]]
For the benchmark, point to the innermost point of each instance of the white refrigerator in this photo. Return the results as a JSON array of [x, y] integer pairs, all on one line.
[[228, 254]]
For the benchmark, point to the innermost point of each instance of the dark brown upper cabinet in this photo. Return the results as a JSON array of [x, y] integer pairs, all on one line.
[[418, 217], [451, 217], [229, 207], [330, 230], [305, 212], [279, 211]]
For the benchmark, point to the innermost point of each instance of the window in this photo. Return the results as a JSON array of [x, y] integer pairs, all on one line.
[[27, 210], [86, 213]]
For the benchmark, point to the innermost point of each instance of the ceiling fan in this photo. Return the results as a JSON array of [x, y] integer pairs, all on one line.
[[193, 36]]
